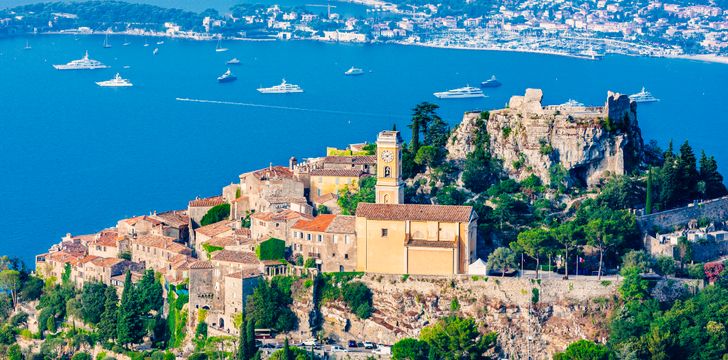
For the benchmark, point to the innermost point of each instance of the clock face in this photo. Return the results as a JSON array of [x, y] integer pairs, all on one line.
[[387, 156]]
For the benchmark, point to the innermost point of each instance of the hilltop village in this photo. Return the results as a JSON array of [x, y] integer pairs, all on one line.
[[379, 241]]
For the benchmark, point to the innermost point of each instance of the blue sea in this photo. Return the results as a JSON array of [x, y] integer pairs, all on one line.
[[76, 157]]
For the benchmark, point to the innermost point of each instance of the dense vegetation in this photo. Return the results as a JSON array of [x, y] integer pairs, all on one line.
[[271, 249], [216, 214], [449, 338]]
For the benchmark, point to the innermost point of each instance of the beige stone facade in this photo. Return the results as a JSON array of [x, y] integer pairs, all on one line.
[[275, 224], [329, 239]]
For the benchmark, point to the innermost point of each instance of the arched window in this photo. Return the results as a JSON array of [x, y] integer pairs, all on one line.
[[385, 199], [222, 323], [387, 171]]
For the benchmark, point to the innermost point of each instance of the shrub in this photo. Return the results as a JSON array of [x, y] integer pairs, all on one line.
[[81, 356], [665, 265], [359, 298], [216, 214], [405, 277], [271, 249], [454, 305], [534, 295], [506, 132], [209, 249], [310, 263]]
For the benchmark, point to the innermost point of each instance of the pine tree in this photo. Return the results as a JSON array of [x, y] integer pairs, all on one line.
[[129, 329], [648, 200], [150, 293], [286, 352], [107, 326], [688, 173]]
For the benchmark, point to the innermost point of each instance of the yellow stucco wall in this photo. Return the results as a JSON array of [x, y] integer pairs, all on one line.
[[321, 185], [381, 254], [430, 261]]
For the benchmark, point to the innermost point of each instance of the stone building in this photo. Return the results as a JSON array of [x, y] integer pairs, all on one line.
[[270, 189], [205, 233], [174, 224], [329, 239], [100, 269], [330, 181], [274, 224], [158, 252], [398, 238], [107, 244], [197, 208]]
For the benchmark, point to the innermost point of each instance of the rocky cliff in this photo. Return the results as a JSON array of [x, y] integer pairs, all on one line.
[[564, 311], [588, 142]]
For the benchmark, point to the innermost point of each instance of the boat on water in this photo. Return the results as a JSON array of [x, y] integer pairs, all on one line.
[[219, 47], [591, 54], [460, 93], [233, 61], [117, 81], [146, 44], [643, 96], [156, 50], [126, 42], [572, 103], [283, 88], [490, 83], [226, 77], [353, 71], [106, 42], [27, 45], [82, 64], [160, 42]]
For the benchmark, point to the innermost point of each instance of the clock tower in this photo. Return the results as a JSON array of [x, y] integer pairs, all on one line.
[[390, 188]]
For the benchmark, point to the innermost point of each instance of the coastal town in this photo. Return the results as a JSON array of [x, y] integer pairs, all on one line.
[[587, 30], [351, 214]]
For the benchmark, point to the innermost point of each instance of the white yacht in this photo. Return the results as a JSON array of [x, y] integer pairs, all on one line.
[[160, 42], [27, 45], [106, 42], [155, 51], [82, 64], [460, 93], [219, 47], [591, 54], [283, 88], [117, 81], [353, 71], [233, 61], [572, 103], [643, 96]]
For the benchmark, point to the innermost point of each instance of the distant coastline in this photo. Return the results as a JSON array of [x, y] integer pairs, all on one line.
[[709, 58]]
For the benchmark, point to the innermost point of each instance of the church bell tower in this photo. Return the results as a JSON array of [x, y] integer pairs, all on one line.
[[390, 188]]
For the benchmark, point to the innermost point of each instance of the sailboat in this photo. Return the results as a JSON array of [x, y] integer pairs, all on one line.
[[27, 45], [156, 50], [146, 44], [106, 42], [126, 42], [219, 47]]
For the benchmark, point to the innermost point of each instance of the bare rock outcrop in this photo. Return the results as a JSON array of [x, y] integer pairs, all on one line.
[[588, 142]]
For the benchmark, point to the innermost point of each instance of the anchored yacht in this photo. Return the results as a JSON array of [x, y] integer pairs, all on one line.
[[82, 64], [117, 81], [226, 77], [460, 93], [491, 83], [219, 47], [354, 71], [643, 96], [283, 88], [233, 61]]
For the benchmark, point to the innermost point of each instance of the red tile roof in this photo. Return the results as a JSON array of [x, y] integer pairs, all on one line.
[[282, 215], [354, 160], [248, 274], [161, 242], [242, 257], [318, 224], [416, 212], [271, 173], [337, 172], [215, 229], [207, 202], [201, 264]]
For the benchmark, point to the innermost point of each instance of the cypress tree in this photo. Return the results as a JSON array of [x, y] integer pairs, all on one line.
[[709, 174], [129, 329], [688, 173], [243, 351], [648, 200], [286, 353], [250, 335], [107, 324]]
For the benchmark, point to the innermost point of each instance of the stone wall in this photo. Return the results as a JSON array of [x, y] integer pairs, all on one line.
[[716, 210], [566, 310]]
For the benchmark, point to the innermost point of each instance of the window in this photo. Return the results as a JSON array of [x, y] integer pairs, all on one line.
[[385, 232], [335, 238], [346, 239], [346, 256], [320, 238], [337, 181], [308, 237]]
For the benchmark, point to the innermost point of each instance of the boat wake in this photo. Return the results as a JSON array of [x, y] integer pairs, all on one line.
[[278, 107]]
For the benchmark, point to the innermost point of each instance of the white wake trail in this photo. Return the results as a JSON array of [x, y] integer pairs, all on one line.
[[278, 107]]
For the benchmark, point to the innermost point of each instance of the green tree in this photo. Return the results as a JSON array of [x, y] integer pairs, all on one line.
[[710, 176], [81, 356], [583, 350], [149, 293], [502, 259], [10, 282], [92, 302], [665, 265], [129, 328], [349, 199], [533, 242], [633, 286], [427, 156], [457, 338], [243, 350], [648, 195], [568, 235], [107, 324], [637, 259], [14, 353], [410, 349], [216, 214], [359, 298]]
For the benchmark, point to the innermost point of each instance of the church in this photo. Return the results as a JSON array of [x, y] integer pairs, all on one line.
[[398, 238]]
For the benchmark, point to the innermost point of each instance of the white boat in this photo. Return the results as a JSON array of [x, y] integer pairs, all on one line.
[[353, 71], [126, 42], [117, 81], [106, 42], [160, 42], [643, 96], [233, 61], [156, 50], [283, 88], [219, 47], [591, 54], [571, 103], [460, 93], [146, 44], [82, 64], [27, 45]]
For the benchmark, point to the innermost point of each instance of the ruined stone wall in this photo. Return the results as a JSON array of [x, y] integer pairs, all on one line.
[[566, 310], [716, 210]]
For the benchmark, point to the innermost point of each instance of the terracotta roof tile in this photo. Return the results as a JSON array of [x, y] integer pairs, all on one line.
[[354, 160], [176, 218], [245, 274], [136, 219], [215, 229], [282, 215], [271, 173], [106, 262], [206, 202], [201, 264], [161, 242], [337, 172], [342, 224], [416, 212], [317, 224], [242, 257]]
